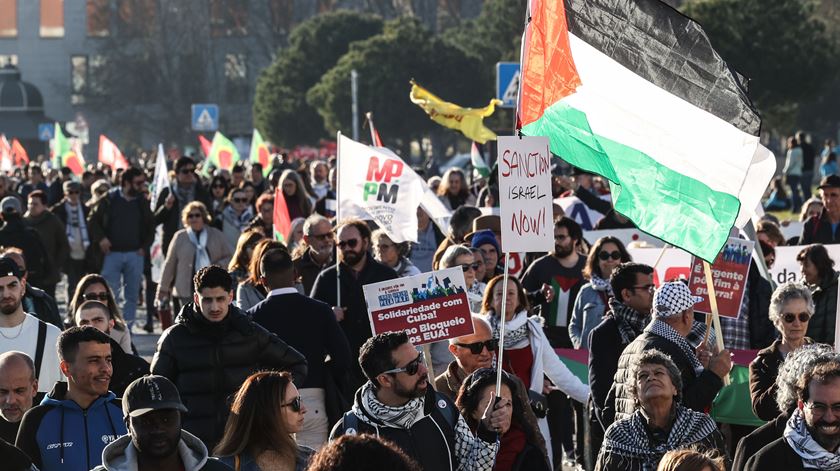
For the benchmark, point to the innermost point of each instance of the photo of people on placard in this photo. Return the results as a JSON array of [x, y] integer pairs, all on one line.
[[433, 288], [735, 253]]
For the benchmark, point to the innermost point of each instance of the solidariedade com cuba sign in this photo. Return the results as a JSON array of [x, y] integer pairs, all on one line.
[[429, 307]]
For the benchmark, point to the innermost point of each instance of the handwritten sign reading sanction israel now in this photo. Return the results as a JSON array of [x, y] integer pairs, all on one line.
[[525, 194]]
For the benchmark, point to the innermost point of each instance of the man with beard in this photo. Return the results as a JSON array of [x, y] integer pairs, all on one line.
[[127, 367], [357, 268], [563, 271], [155, 440], [53, 235], [23, 332], [18, 388], [172, 200], [397, 404], [121, 225], [316, 252], [812, 434], [71, 427]]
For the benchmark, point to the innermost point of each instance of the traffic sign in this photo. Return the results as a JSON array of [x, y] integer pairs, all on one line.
[[205, 117], [507, 83], [46, 131]]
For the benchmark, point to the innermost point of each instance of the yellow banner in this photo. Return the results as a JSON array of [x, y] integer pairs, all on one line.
[[470, 121]]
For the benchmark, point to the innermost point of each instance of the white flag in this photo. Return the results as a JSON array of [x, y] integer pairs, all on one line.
[[378, 185], [161, 179]]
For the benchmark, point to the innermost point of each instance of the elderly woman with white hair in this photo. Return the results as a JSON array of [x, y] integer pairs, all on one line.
[[659, 424], [796, 364], [461, 256], [791, 308]]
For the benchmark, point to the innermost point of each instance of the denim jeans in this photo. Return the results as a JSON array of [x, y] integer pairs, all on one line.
[[129, 267], [795, 185]]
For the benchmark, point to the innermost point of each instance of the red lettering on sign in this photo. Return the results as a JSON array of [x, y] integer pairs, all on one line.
[[390, 169]]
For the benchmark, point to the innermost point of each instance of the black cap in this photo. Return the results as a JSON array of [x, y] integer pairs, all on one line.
[[831, 181], [8, 267], [148, 393]]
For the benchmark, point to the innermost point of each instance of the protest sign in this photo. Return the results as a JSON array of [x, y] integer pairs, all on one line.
[[791, 229], [574, 208], [786, 268], [729, 271], [626, 236], [674, 264], [525, 194], [429, 307]]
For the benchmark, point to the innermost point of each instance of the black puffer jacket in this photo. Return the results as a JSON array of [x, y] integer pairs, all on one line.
[[698, 391], [208, 362]]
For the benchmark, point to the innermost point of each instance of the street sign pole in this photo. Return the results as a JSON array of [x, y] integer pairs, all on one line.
[[354, 92]]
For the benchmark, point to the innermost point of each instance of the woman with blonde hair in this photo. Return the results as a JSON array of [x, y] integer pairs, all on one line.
[[259, 433], [194, 247], [453, 191]]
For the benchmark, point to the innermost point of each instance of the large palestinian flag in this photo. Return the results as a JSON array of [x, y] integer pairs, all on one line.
[[634, 91]]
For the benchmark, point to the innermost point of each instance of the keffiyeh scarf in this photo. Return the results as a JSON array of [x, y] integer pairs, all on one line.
[[242, 220], [667, 332], [397, 417], [803, 444], [631, 323], [600, 284], [516, 329], [76, 219], [630, 437], [202, 258]]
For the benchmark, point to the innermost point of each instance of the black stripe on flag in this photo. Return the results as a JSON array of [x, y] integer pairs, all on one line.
[[669, 50]]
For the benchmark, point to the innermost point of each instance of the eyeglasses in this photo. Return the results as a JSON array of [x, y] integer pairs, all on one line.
[[384, 246], [240, 200], [789, 317], [351, 243], [72, 192], [604, 255], [294, 404], [194, 216], [470, 266], [650, 287], [185, 171], [476, 348], [410, 369], [218, 185], [820, 409], [103, 296]]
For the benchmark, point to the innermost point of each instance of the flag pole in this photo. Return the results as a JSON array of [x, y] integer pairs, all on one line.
[[337, 216], [713, 318], [502, 327]]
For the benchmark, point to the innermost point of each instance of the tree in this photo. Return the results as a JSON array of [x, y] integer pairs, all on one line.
[[281, 112], [780, 46], [386, 63]]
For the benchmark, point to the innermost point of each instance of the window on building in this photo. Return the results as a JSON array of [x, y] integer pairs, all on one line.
[[8, 20], [228, 18], [136, 17], [98, 18], [282, 15], [8, 59], [236, 78], [78, 78], [52, 18]]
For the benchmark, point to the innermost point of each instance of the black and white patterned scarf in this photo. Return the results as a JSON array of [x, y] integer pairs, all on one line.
[[600, 284], [631, 323], [667, 332], [516, 329], [803, 444], [630, 437], [396, 417]]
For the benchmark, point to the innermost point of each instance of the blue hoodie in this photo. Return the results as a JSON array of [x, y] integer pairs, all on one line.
[[60, 435]]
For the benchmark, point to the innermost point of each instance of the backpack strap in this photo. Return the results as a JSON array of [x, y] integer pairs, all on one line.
[[39, 350]]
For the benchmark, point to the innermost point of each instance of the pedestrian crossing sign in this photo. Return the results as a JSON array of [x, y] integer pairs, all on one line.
[[205, 117]]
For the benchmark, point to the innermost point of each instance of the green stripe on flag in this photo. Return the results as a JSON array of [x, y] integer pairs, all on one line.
[[666, 204]]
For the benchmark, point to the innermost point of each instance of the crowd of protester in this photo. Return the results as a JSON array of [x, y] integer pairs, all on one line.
[[260, 367]]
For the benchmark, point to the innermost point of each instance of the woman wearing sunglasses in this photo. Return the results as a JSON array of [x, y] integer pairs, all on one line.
[[462, 257], [236, 216], [605, 255], [259, 433], [522, 445], [791, 308], [93, 287]]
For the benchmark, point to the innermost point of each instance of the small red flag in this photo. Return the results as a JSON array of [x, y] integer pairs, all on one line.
[[281, 220], [205, 145], [19, 153]]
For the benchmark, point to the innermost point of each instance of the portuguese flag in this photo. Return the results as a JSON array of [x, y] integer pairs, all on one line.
[[63, 154], [223, 154], [260, 153], [634, 91]]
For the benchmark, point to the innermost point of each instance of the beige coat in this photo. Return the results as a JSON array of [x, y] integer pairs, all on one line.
[[180, 258]]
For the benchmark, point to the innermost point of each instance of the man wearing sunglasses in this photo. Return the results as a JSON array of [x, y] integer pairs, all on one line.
[[171, 201], [471, 352], [397, 404], [357, 268], [319, 243]]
